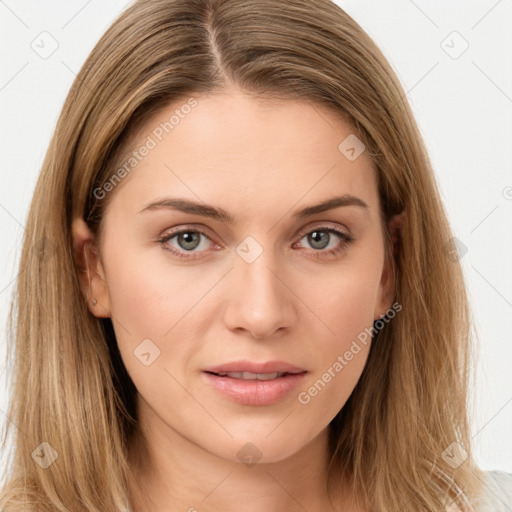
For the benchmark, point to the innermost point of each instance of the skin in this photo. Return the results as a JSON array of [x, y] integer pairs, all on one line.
[[259, 161]]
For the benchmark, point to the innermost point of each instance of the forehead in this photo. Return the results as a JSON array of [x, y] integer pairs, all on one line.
[[232, 147]]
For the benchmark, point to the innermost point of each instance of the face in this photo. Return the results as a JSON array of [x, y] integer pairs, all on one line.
[[234, 272]]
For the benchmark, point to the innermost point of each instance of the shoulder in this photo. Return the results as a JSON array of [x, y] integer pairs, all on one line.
[[497, 492]]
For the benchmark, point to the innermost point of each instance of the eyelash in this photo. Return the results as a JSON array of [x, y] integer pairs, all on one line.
[[346, 239]]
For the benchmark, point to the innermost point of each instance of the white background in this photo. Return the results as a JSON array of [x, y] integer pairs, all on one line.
[[463, 106]]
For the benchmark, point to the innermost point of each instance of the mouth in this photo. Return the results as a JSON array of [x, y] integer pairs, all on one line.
[[254, 389]]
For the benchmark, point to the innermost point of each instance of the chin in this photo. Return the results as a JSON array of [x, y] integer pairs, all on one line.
[[260, 448]]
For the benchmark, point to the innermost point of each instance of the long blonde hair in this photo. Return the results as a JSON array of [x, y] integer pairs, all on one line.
[[72, 405]]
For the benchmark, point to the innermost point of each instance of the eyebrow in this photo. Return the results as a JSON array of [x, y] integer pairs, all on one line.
[[212, 212]]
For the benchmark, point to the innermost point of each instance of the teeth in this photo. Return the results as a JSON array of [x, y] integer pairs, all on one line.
[[252, 376]]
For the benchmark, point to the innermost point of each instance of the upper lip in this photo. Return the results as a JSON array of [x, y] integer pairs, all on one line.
[[254, 367]]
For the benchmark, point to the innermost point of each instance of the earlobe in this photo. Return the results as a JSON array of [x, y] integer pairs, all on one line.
[[90, 269]]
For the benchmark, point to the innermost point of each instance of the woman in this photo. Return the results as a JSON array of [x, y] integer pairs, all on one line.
[[245, 294]]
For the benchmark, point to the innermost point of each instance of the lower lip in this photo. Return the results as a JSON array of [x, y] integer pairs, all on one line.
[[255, 392]]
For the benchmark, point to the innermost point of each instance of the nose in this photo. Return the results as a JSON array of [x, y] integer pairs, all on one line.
[[260, 298]]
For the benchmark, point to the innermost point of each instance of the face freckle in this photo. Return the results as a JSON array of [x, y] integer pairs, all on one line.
[[250, 278]]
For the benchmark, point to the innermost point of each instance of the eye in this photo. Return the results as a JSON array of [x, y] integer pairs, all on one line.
[[187, 241], [323, 240]]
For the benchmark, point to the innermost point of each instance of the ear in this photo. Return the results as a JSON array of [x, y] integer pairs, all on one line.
[[387, 283], [90, 269]]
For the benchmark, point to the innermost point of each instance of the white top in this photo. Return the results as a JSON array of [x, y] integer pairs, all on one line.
[[497, 495]]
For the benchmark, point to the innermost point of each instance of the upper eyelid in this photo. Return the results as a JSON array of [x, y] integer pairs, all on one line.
[[324, 225], [204, 229]]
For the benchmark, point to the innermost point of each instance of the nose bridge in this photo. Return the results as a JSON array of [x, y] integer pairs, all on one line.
[[261, 302]]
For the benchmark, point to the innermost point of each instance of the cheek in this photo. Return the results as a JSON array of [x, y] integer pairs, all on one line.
[[136, 299], [344, 301], [147, 296], [152, 299], [149, 314], [343, 304]]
